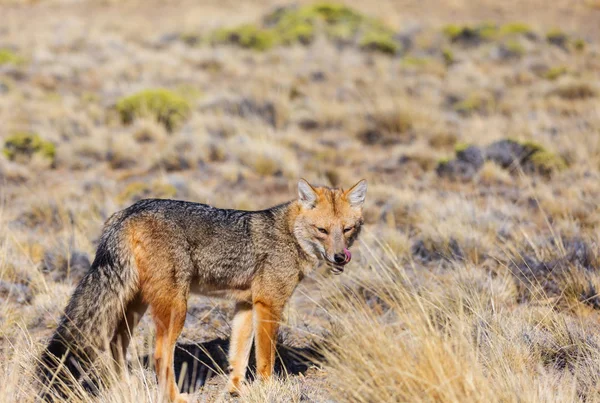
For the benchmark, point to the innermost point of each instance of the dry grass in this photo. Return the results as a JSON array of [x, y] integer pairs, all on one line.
[[478, 289]]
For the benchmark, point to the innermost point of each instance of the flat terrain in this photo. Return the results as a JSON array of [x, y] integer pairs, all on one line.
[[476, 124]]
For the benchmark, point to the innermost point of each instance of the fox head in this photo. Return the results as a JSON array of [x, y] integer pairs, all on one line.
[[329, 221]]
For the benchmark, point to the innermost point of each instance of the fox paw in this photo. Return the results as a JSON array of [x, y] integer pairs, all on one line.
[[233, 387], [183, 398]]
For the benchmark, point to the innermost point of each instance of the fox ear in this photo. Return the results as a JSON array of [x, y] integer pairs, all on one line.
[[356, 194], [306, 194]]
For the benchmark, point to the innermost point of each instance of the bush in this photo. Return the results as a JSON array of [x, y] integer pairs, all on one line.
[[9, 57], [554, 72], [23, 146], [379, 41], [298, 25], [557, 37], [247, 36], [165, 106]]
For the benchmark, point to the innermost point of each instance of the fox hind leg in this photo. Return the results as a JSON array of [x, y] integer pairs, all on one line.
[[169, 317], [240, 345], [120, 341]]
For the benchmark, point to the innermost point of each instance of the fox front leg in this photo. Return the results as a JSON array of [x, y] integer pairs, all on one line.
[[239, 346], [266, 325]]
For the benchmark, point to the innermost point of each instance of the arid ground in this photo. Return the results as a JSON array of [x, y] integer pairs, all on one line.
[[476, 124]]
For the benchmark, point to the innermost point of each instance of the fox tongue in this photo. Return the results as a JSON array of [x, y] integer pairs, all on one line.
[[348, 255]]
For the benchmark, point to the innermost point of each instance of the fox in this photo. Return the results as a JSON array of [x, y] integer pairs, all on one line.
[[156, 252]]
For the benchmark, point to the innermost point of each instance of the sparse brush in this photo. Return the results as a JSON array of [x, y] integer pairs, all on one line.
[[167, 107]]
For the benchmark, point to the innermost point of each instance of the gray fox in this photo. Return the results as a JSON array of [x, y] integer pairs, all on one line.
[[156, 252]]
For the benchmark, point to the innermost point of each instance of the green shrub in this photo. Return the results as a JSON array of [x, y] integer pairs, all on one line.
[[23, 146], [484, 31], [460, 147], [539, 159], [247, 36], [299, 25], [165, 106], [554, 72], [546, 162], [515, 28], [579, 44], [514, 48], [465, 33], [9, 57], [379, 41], [474, 103], [557, 37], [448, 56]]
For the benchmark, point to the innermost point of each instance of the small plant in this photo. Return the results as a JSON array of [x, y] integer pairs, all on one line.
[[247, 36], [7, 56], [23, 146], [460, 147], [380, 41], [468, 34], [515, 28], [448, 56], [514, 49], [554, 72], [165, 106], [579, 44], [474, 103], [546, 162], [299, 25], [557, 37]]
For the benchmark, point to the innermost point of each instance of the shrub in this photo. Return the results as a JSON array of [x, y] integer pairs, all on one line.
[[247, 36], [557, 37], [23, 146], [379, 41], [9, 57], [554, 72], [293, 25], [468, 34], [546, 162], [165, 106], [513, 48], [515, 28], [474, 103]]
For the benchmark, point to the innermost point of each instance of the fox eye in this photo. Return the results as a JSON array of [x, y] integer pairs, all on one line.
[[323, 230], [348, 229]]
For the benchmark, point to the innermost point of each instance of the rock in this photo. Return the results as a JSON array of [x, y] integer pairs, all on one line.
[[507, 153], [472, 155], [456, 170]]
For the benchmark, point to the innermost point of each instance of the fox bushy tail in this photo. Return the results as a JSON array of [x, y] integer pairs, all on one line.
[[91, 317]]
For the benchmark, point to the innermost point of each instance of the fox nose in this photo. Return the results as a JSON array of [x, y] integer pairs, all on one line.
[[339, 258]]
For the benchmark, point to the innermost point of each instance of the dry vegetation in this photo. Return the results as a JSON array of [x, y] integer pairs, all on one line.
[[478, 276]]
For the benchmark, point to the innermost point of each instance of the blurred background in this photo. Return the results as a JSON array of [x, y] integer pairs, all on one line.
[[476, 124]]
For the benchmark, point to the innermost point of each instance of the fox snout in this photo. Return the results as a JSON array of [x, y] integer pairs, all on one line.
[[343, 257]]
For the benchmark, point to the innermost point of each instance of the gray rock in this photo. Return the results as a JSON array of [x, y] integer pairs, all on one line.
[[471, 155], [507, 153]]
